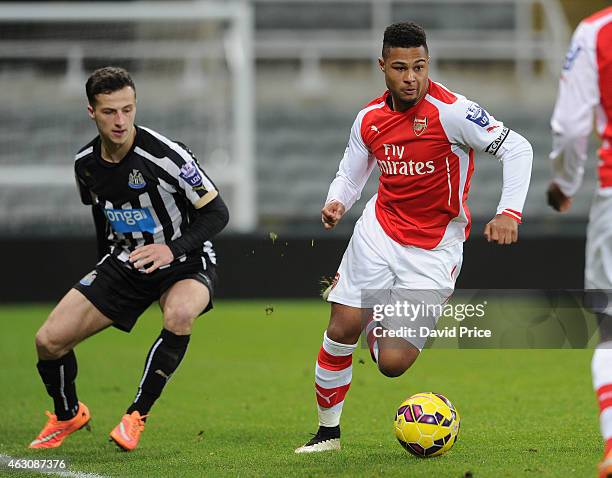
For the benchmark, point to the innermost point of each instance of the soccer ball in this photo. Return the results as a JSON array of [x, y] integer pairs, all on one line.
[[427, 424]]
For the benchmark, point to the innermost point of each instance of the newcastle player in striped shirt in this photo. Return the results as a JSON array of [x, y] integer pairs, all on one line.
[[155, 211]]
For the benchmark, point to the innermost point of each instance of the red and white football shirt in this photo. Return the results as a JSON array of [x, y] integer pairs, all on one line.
[[426, 159], [585, 87]]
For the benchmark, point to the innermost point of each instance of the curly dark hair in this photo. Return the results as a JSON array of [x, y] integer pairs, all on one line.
[[404, 35], [107, 80]]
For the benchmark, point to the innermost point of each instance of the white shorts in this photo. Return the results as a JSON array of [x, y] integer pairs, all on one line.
[[375, 262], [598, 260]]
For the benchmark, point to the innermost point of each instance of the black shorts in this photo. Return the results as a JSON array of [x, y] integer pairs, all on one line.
[[122, 294]]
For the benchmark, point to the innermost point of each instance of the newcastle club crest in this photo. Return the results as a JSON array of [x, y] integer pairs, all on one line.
[[419, 125], [136, 181]]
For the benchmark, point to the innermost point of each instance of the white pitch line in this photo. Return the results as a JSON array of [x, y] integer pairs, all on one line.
[[5, 459]]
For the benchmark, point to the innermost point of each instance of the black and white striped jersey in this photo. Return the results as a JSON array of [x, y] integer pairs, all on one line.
[[149, 197]]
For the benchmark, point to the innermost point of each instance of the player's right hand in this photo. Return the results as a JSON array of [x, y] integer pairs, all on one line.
[[502, 229], [556, 199], [331, 213]]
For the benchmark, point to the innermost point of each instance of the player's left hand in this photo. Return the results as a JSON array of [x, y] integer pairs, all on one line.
[[153, 255], [501, 229]]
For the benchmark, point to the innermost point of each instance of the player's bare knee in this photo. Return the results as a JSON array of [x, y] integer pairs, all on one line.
[[336, 333], [40, 340], [342, 334], [48, 346], [394, 363], [178, 319], [391, 372], [344, 326], [393, 369]]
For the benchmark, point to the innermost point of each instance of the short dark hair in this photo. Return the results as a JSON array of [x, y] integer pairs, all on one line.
[[107, 80], [404, 35]]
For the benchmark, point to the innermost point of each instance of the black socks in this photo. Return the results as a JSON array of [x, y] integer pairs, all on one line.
[[59, 376], [163, 359], [328, 433]]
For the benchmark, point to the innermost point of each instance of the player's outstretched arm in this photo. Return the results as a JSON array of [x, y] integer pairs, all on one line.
[[501, 229], [331, 214]]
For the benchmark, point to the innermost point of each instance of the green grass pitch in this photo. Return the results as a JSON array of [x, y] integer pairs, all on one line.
[[243, 399]]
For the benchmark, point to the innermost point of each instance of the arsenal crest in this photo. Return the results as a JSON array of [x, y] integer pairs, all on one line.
[[419, 125]]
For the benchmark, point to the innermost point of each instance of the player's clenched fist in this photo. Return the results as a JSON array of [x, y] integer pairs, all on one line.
[[502, 229], [331, 214]]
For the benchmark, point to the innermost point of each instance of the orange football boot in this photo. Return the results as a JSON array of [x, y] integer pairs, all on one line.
[[127, 433], [56, 431], [605, 466]]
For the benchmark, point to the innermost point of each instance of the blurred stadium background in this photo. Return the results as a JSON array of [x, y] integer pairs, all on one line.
[[264, 92]]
